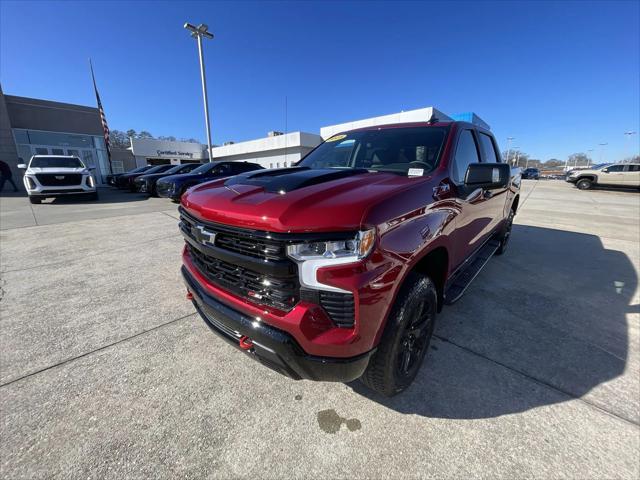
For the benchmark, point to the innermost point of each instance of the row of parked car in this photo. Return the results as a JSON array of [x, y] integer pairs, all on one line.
[[171, 181]]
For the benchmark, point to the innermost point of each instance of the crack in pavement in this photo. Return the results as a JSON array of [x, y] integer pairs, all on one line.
[[539, 381], [99, 349]]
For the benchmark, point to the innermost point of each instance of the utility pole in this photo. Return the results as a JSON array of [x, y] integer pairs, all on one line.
[[198, 32], [602, 151], [628, 136], [509, 139]]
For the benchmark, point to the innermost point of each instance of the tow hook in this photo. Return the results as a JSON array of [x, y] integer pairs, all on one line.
[[189, 295], [245, 343]]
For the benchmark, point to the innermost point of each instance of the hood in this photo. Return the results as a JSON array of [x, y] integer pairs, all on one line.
[[59, 170], [295, 199], [152, 176], [180, 177]]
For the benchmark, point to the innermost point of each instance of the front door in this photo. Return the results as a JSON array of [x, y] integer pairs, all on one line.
[[474, 218], [613, 175]]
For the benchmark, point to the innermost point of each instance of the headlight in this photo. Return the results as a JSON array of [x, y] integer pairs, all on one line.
[[314, 255], [355, 248], [30, 182]]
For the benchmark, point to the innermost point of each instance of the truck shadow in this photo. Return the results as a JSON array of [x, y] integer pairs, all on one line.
[[543, 324]]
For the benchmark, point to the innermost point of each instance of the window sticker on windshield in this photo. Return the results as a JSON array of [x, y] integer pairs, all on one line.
[[415, 172], [346, 143], [336, 138]]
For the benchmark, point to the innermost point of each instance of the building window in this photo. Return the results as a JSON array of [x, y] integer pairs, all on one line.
[[21, 136]]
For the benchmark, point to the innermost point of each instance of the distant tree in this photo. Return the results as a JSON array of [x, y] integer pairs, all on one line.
[[131, 133], [119, 139], [168, 139], [189, 140], [634, 159], [553, 163], [578, 160], [144, 134]]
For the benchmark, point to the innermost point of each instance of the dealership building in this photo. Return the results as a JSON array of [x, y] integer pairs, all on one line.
[[30, 126]]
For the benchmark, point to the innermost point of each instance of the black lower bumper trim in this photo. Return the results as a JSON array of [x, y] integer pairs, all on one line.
[[270, 346]]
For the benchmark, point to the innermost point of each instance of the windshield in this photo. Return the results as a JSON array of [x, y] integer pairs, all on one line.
[[394, 150], [203, 168], [139, 169], [175, 169], [56, 162], [159, 169]]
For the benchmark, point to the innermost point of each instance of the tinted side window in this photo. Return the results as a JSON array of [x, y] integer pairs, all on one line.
[[616, 168], [634, 168], [490, 154], [466, 153]]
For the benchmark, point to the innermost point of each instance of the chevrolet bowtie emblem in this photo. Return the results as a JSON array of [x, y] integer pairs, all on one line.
[[202, 235]]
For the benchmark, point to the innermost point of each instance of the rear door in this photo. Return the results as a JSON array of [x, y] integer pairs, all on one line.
[[632, 175]]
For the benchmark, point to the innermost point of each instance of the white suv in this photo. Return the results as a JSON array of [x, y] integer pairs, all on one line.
[[57, 175], [620, 175]]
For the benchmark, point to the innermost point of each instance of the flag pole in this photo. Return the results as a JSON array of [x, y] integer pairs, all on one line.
[[103, 119]]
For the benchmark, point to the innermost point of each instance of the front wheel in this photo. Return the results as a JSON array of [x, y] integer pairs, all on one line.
[[506, 233], [584, 184], [406, 338]]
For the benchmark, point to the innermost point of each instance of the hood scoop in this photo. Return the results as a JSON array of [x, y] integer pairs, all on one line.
[[285, 180]]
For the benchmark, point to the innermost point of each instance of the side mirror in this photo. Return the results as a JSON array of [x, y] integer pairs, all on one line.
[[487, 175], [22, 166], [605, 170]]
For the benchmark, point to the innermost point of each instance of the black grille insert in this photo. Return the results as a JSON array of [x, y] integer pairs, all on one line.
[[339, 306], [279, 292], [59, 180]]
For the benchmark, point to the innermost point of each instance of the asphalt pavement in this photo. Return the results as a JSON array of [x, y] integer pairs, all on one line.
[[107, 372]]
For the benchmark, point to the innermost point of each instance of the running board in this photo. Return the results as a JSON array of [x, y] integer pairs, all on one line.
[[470, 272]]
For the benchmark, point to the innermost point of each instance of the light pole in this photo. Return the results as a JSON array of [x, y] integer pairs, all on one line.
[[197, 33], [517, 151], [589, 157], [629, 135], [509, 139], [602, 150]]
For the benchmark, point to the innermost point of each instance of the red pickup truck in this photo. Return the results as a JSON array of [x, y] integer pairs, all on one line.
[[335, 269]]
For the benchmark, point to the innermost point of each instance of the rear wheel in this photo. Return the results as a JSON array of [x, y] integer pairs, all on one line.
[[35, 200], [406, 338], [584, 184]]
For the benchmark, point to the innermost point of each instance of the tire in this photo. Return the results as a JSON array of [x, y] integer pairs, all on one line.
[[35, 200], [93, 196], [506, 233], [584, 184], [405, 339]]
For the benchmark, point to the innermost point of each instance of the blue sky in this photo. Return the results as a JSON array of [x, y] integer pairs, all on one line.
[[561, 77]]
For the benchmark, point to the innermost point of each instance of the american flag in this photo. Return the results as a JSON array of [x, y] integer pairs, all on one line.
[[103, 119]]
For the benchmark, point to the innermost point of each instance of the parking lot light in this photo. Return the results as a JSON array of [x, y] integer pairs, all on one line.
[[198, 32]]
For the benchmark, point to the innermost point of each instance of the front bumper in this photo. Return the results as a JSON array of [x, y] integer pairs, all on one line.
[[35, 189], [272, 347]]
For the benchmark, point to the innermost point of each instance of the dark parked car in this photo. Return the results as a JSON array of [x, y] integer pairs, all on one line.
[[147, 182], [126, 180], [111, 179], [175, 185], [531, 173]]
